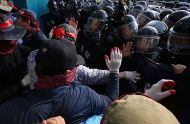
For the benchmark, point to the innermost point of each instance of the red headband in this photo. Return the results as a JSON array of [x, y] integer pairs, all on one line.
[[31, 18], [26, 15], [60, 33], [6, 24]]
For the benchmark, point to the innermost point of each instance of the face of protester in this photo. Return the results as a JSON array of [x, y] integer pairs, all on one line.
[[23, 23]]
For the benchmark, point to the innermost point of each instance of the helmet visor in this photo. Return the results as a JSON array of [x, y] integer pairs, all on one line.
[[95, 25], [178, 44], [145, 44]]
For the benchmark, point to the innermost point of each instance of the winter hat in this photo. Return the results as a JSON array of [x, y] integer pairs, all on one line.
[[31, 16], [138, 109], [8, 31], [65, 31]]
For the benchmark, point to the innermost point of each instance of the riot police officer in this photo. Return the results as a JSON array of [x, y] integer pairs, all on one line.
[[88, 41], [179, 56], [72, 10], [27, 19], [146, 17], [53, 17], [128, 28], [145, 45], [172, 18], [162, 29]]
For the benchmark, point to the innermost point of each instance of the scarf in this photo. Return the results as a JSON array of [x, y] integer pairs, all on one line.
[[7, 47], [46, 82]]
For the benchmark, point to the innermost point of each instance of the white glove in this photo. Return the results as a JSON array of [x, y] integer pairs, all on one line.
[[132, 76], [155, 92], [26, 80], [51, 32], [114, 62]]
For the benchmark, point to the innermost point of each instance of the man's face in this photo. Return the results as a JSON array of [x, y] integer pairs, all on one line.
[[94, 26], [20, 22]]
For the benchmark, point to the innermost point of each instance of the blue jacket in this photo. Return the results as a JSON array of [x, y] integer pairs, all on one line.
[[75, 103]]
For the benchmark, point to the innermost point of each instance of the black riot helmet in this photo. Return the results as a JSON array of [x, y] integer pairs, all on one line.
[[52, 5], [155, 8], [136, 10], [128, 28], [93, 8], [86, 6], [109, 10], [143, 3], [97, 21], [106, 3], [146, 40], [165, 12], [172, 18], [61, 4], [183, 8], [146, 17], [72, 5], [179, 37], [119, 11], [162, 29]]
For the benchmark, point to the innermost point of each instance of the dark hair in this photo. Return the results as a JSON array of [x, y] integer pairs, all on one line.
[[32, 24]]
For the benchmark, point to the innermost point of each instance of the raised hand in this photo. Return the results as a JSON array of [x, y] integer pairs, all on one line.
[[114, 62], [127, 49]]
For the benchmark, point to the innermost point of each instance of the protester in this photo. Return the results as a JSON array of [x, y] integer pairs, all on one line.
[[56, 85], [13, 58], [27, 19]]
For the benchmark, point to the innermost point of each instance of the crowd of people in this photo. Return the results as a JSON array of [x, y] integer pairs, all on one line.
[[108, 62]]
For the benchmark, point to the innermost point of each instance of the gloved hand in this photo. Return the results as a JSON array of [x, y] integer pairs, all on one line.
[[26, 80], [51, 32], [114, 62], [31, 77], [132, 76], [155, 92]]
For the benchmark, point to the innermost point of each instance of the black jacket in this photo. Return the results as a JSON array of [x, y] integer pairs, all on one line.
[[33, 39], [179, 104], [13, 68], [150, 71]]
